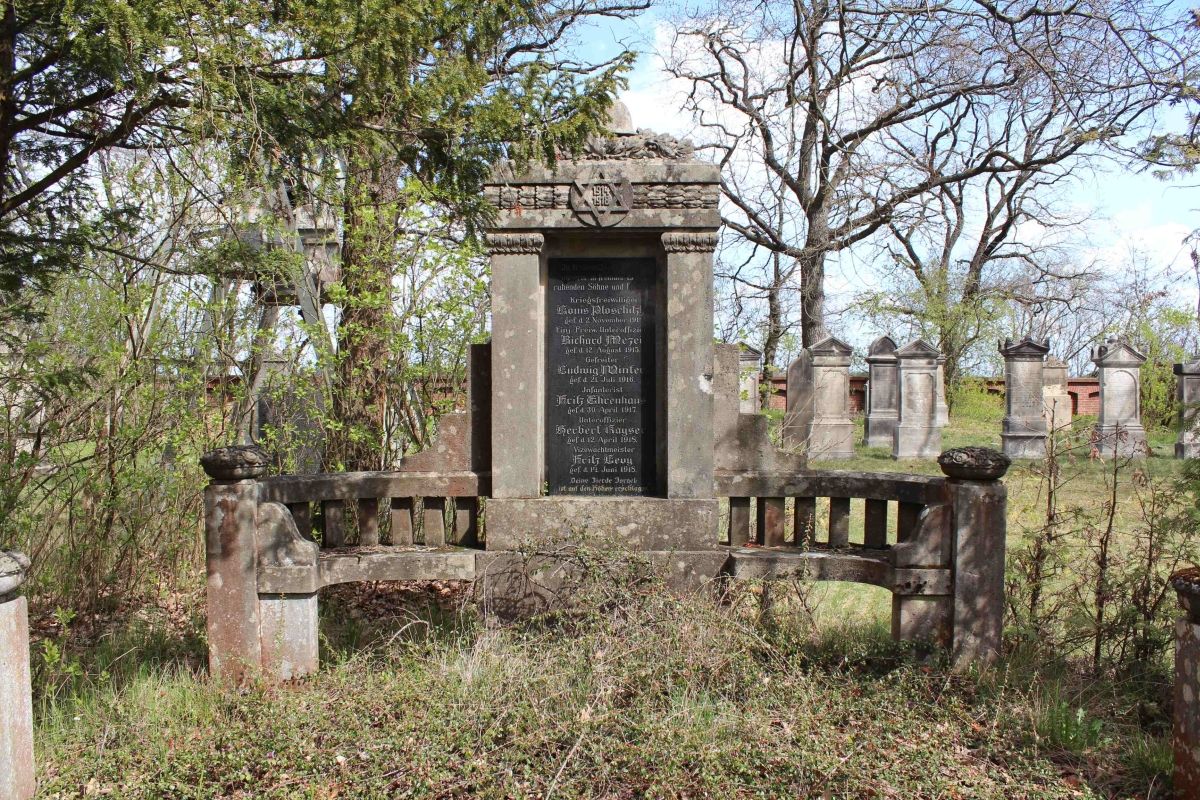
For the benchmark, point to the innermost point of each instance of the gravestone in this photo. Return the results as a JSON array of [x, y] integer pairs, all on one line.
[[1054, 395], [1024, 427], [749, 368], [943, 409], [799, 409], [602, 346], [818, 401], [1119, 430], [883, 409], [917, 432], [1187, 393]]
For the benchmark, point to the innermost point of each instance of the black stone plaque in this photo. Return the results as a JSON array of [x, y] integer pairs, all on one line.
[[600, 387]]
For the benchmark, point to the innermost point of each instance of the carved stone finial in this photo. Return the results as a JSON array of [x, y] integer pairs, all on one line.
[[235, 463], [974, 464], [13, 568], [1187, 584]]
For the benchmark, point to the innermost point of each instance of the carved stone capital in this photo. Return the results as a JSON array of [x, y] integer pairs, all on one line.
[[974, 464], [236, 463], [13, 568], [689, 242], [514, 243]]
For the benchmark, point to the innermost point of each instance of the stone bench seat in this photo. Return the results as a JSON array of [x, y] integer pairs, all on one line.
[[374, 563], [874, 566]]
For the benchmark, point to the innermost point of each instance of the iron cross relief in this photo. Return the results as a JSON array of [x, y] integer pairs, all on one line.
[[601, 201]]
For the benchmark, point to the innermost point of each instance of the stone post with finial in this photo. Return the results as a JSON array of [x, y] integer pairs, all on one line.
[[17, 780], [1186, 732], [979, 507], [230, 519]]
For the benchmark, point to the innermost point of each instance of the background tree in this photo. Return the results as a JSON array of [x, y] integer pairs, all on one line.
[[840, 106]]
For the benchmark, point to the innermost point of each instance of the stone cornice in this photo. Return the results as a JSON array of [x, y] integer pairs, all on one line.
[[689, 241], [514, 243]]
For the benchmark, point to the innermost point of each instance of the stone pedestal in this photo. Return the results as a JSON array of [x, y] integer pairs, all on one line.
[[1119, 431], [1187, 393], [17, 778], [883, 410], [917, 432], [1024, 431], [1055, 399], [1186, 731]]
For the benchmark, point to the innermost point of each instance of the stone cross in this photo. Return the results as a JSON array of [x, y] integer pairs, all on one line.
[[882, 394], [1024, 431], [1119, 430], [1187, 393], [1054, 395], [917, 433], [17, 780]]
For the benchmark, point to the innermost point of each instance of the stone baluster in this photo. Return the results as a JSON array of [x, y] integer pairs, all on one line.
[[17, 780], [979, 528], [230, 518], [1186, 733]]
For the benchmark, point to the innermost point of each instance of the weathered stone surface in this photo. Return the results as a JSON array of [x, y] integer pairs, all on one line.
[[883, 394], [636, 523], [230, 513], [943, 409], [979, 542], [741, 441], [235, 463], [798, 417], [14, 568], [689, 378], [1024, 431], [1186, 729], [917, 432], [289, 635], [517, 377], [763, 564], [749, 368], [515, 585], [1054, 395], [1187, 393], [974, 463], [1119, 430], [17, 776]]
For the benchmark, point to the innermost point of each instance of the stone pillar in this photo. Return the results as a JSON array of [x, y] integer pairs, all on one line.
[[1024, 431], [1054, 395], [883, 409], [1119, 431], [917, 433], [230, 519], [689, 372], [1187, 393], [1186, 730], [17, 779], [832, 433], [943, 409], [979, 503], [517, 390]]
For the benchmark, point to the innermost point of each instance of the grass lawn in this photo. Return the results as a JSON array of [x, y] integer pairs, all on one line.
[[638, 695]]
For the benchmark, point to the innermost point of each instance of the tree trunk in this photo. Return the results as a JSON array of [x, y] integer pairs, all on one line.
[[774, 314], [812, 280], [361, 390]]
